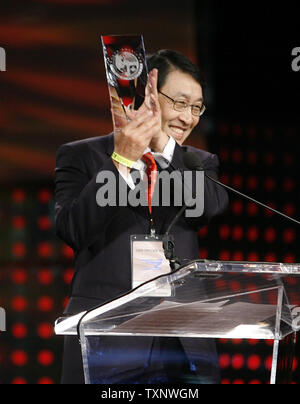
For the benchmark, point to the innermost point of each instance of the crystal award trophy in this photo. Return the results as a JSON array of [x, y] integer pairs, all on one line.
[[126, 72]]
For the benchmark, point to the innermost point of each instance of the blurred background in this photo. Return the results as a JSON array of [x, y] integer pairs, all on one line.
[[54, 91]]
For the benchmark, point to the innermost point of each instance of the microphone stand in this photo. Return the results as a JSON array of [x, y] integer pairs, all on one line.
[[169, 245], [251, 199], [193, 162]]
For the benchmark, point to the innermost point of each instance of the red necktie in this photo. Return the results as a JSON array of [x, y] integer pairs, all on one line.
[[151, 172]]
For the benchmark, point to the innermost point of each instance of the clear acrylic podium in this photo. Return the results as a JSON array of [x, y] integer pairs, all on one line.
[[204, 299]]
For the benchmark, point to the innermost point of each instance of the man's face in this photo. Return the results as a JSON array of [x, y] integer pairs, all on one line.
[[181, 87]]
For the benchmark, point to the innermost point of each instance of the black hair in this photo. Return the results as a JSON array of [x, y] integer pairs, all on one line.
[[167, 60]]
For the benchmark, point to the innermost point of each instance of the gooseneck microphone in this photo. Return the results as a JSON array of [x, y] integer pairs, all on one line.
[[193, 162]]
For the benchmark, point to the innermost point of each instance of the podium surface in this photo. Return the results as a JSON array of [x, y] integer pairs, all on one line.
[[204, 299]]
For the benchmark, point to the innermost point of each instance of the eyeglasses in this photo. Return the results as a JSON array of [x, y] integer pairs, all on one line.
[[180, 106]]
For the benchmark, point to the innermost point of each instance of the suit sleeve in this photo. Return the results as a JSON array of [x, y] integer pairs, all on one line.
[[215, 197], [78, 216]]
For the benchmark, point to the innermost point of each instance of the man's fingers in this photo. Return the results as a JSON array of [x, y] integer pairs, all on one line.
[[148, 127], [139, 118]]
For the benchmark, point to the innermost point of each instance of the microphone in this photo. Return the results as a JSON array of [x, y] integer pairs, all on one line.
[[193, 162]]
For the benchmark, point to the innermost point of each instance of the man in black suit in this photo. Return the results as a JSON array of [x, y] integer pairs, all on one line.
[[100, 236]]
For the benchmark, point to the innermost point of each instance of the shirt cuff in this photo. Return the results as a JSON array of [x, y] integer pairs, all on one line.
[[127, 177]]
